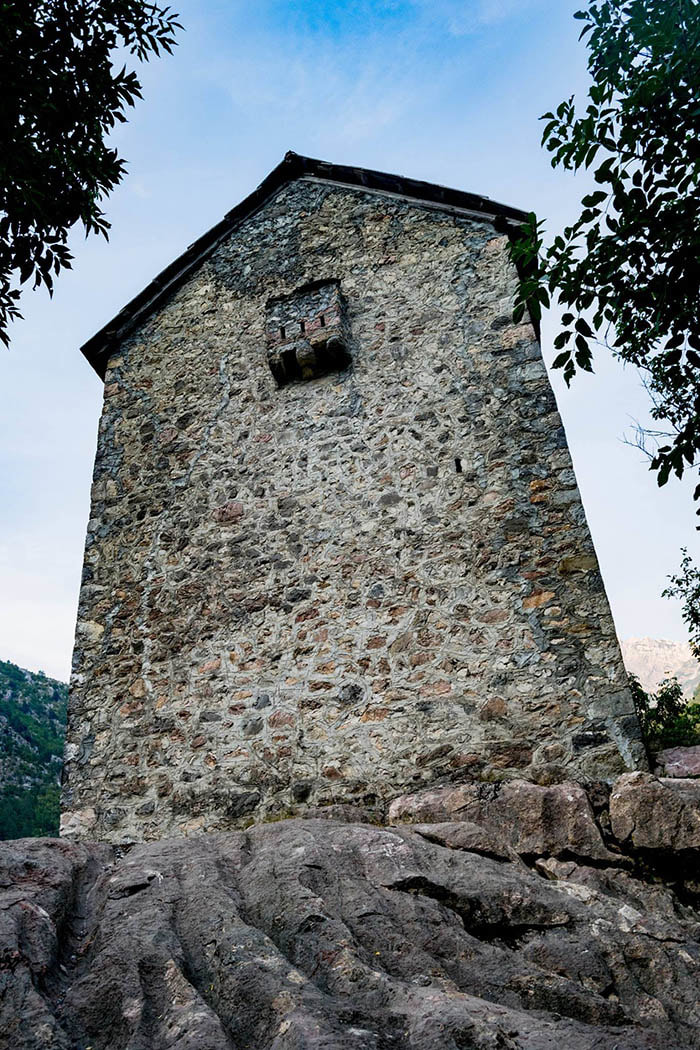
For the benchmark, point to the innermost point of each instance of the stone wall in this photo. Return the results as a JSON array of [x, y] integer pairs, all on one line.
[[347, 587]]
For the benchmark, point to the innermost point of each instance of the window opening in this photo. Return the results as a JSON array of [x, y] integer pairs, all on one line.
[[308, 333]]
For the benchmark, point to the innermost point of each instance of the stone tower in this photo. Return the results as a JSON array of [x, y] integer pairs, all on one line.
[[336, 548]]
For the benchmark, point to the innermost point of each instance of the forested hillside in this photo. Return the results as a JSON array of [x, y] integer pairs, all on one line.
[[32, 727]]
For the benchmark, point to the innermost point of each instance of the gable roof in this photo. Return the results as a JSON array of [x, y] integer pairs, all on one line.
[[99, 348]]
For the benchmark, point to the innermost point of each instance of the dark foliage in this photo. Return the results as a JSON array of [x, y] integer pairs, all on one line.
[[665, 718], [686, 587], [62, 94], [627, 271], [32, 729]]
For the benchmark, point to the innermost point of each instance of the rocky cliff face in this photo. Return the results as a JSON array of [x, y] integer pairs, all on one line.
[[486, 917], [653, 659]]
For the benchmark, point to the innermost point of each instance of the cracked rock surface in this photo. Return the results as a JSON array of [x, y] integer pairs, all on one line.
[[312, 933]]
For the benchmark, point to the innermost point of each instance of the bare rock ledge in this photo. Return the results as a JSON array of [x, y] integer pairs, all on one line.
[[509, 918], [679, 762]]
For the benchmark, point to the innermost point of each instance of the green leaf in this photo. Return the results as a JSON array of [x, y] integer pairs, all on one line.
[[65, 94], [592, 199]]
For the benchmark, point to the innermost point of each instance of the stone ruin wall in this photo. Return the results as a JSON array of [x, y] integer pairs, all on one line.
[[349, 587]]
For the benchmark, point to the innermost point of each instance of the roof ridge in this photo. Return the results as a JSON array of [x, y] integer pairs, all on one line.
[[293, 166]]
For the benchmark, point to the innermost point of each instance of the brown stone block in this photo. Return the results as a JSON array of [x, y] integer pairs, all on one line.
[[494, 708], [375, 714], [229, 512], [578, 563], [427, 757], [210, 666], [580, 628], [441, 688], [493, 616], [538, 599], [509, 755], [133, 708], [420, 658], [281, 718], [468, 760]]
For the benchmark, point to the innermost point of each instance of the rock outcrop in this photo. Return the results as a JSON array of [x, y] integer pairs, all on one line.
[[509, 918], [679, 762], [660, 815]]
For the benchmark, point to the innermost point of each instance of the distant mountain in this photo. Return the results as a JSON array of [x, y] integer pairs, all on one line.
[[32, 728], [653, 659]]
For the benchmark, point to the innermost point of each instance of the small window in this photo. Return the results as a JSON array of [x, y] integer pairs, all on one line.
[[307, 333]]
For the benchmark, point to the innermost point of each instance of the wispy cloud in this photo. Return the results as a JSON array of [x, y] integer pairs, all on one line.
[[446, 90], [466, 16], [351, 89]]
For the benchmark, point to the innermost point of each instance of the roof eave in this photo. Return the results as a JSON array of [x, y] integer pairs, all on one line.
[[100, 347]]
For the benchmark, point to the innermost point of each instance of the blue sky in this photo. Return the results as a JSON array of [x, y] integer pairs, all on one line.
[[441, 90]]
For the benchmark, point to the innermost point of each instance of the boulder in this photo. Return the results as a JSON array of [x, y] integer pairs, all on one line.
[[527, 819], [678, 762], [322, 935], [656, 814]]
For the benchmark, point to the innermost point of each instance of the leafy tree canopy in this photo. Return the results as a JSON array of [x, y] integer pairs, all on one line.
[[627, 271], [665, 718], [62, 94], [685, 585]]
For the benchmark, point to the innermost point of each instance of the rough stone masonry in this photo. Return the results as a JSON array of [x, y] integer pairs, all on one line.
[[336, 550]]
